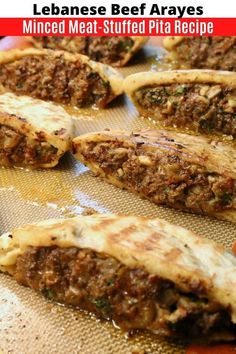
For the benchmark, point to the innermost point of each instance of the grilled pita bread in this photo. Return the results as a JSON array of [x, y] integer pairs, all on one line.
[[202, 101], [115, 51], [59, 76], [33, 133], [216, 52], [189, 279], [169, 168]]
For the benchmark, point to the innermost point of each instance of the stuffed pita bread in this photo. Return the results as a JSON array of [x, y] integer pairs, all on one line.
[[189, 173], [141, 273], [59, 76], [115, 51], [217, 52], [202, 101], [33, 133]]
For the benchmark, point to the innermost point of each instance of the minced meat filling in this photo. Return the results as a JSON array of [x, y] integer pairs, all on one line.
[[54, 78], [200, 107], [71, 44], [164, 178], [208, 52], [131, 297], [16, 149], [107, 50]]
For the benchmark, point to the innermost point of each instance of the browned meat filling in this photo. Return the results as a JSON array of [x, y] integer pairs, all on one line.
[[71, 44], [16, 149], [204, 108], [54, 78], [109, 50], [164, 178], [132, 298], [208, 52]]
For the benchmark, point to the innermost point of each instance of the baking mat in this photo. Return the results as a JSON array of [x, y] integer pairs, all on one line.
[[28, 322]]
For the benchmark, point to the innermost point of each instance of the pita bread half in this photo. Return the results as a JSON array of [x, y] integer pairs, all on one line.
[[59, 76], [202, 52], [82, 45], [202, 101], [35, 133], [197, 267], [174, 169]]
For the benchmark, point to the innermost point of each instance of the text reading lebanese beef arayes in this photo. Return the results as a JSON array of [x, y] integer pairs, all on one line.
[[118, 10]]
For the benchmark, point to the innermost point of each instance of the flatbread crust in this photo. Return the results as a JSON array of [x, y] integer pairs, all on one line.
[[216, 52], [139, 42], [201, 76], [170, 42], [106, 72], [198, 150], [33, 118], [147, 80], [150, 244]]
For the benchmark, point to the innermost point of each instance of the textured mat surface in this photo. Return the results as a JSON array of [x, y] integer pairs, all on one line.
[[28, 322]]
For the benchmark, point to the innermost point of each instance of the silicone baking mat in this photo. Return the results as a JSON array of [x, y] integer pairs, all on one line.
[[28, 322]]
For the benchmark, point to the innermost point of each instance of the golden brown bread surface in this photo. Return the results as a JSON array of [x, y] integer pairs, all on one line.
[[179, 170], [35, 123], [150, 244]]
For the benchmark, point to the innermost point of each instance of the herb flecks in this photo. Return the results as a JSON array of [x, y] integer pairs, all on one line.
[[48, 293], [226, 198]]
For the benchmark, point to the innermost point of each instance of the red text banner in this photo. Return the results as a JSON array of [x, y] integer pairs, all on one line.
[[117, 26]]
